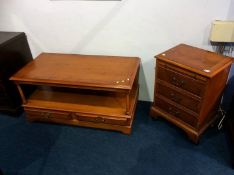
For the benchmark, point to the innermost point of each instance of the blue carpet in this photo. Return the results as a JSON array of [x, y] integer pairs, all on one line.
[[155, 147]]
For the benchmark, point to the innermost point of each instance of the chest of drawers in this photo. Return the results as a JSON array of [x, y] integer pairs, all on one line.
[[188, 86]]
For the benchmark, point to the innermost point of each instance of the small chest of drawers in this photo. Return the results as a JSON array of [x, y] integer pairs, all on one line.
[[188, 86]]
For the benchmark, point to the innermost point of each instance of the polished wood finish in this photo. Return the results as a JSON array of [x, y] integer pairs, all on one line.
[[14, 54], [84, 90], [188, 86], [84, 71]]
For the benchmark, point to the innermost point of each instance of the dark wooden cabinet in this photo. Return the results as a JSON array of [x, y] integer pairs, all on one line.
[[14, 54], [188, 86], [230, 128]]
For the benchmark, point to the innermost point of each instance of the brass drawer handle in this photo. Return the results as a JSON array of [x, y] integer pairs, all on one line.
[[177, 82], [175, 97], [173, 112]]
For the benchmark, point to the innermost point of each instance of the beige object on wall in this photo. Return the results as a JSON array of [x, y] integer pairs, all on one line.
[[222, 31]]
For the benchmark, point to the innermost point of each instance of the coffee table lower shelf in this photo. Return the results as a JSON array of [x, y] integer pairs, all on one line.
[[104, 110]]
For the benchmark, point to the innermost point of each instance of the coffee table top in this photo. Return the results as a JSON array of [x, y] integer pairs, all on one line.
[[88, 71]]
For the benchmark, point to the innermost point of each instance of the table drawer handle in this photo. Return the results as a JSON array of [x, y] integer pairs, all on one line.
[[100, 119], [47, 115]]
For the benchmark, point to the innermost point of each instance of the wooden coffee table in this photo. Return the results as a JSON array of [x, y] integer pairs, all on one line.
[[83, 90]]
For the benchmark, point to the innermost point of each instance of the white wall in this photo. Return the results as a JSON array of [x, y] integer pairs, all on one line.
[[231, 11], [141, 28]]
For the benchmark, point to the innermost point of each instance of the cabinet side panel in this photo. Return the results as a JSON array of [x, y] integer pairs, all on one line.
[[213, 96]]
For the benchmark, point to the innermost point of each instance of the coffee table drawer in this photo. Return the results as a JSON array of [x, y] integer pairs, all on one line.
[[102, 119], [47, 114]]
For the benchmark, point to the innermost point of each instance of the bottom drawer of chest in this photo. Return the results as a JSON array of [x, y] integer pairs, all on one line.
[[176, 112]]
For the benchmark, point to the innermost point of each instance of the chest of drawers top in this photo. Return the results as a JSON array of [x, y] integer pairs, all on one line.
[[199, 61]]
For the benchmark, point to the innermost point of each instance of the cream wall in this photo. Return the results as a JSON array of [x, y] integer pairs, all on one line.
[[141, 28]]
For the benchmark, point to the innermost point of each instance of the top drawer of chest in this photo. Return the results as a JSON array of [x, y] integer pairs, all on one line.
[[181, 78]]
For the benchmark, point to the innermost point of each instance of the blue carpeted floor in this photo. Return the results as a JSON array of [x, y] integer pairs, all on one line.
[[155, 147]]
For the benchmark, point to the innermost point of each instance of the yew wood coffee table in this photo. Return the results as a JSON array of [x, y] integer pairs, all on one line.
[[82, 90]]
